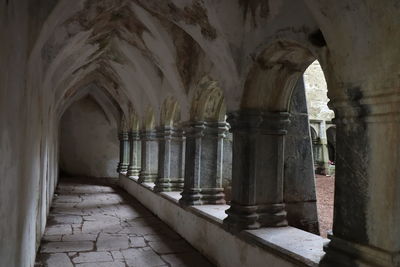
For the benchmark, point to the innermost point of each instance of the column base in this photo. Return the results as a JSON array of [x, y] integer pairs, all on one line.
[[340, 252], [168, 184], [133, 172], [303, 215], [322, 168], [202, 196], [122, 167], [253, 217], [147, 177]]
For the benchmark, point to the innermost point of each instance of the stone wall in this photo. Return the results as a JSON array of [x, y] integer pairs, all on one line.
[[316, 93], [88, 141]]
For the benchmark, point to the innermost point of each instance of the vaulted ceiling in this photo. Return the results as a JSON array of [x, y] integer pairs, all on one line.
[[139, 52]]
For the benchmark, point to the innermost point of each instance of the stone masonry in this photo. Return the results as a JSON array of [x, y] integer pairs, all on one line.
[[96, 224]]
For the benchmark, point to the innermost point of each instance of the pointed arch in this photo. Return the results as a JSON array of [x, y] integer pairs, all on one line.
[[170, 113], [271, 80], [149, 122], [208, 103]]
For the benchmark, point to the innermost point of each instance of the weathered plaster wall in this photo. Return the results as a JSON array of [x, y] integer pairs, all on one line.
[[28, 139], [316, 93], [88, 141], [12, 221]]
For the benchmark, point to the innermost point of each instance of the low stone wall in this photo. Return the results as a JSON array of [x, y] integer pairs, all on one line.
[[202, 227]]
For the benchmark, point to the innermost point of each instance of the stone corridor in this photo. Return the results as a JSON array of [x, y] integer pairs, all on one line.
[[95, 223]]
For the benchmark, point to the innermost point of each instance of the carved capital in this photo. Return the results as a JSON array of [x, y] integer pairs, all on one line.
[[123, 136], [268, 123]]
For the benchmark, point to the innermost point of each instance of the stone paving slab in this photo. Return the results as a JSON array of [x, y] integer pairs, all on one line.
[[164, 247], [186, 259], [65, 219], [137, 242], [142, 258], [59, 259], [95, 224], [86, 257], [102, 264], [107, 242], [52, 247], [67, 199], [62, 229], [80, 237]]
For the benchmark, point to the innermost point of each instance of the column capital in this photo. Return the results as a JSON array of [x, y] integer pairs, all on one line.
[[205, 128], [123, 136], [148, 135], [169, 132], [134, 135], [366, 107], [265, 122]]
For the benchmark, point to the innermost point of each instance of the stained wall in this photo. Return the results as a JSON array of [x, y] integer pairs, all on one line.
[[88, 141]]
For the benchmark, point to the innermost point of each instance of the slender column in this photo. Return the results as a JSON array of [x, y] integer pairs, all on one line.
[[134, 158], [149, 169], [203, 163], [123, 152], [227, 167], [257, 172], [316, 153], [324, 154], [171, 156], [366, 224]]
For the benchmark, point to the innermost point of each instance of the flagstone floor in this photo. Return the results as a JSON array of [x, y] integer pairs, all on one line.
[[92, 223]]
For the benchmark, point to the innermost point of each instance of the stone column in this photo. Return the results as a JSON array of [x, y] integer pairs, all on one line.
[[149, 157], [366, 226], [123, 152], [299, 180], [324, 154], [203, 163], [257, 170], [170, 160], [134, 158], [227, 167]]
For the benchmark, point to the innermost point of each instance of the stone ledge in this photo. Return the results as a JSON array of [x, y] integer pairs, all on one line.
[[202, 227]]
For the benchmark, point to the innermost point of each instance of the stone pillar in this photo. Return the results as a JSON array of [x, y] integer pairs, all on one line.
[[257, 170], [227, 167], [366, 226], [149, 157], [134, 158], [203, 163], [324, 153], [123, 152], [171, 157], [299, 180]]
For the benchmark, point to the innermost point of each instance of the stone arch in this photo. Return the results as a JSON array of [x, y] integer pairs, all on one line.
[[106, 101], [208, 103], [149, 122], [273, 77], [134, 123], [124, 126], [313, 133], [170, 113]]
